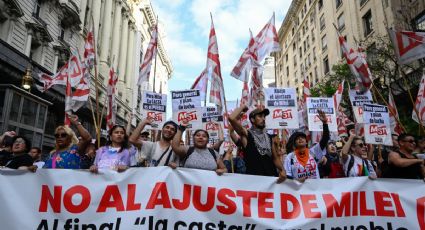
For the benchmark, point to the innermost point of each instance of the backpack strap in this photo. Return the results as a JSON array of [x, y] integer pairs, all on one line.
[[213, 154], [162, 155], [350, 165]]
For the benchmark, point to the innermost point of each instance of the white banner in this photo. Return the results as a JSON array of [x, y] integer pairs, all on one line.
[[163, 198], [377, 124], [282, 104], [327, 105], [187, 105], [357, 100], [154, 105]]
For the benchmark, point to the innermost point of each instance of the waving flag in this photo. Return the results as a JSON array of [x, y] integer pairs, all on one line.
[[357, 64], [420, 103], [213, 69], [145, 68], [245, 94], [409, 46], [201, 83], [394, 118], [112, 107], [247, 61], [338, 94]]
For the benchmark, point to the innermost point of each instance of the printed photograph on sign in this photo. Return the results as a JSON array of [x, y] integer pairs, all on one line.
[[314, 104], [282, 103], [154, 105]]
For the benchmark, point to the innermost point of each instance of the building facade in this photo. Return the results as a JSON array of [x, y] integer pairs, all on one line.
[[39, 35], [309, 33]]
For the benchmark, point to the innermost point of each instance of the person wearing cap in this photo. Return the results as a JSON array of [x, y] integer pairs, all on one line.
[[300, 163], [144, 136], [261, 153], [157, 153]]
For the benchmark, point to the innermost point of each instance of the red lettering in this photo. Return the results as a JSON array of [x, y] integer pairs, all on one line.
[[308, 205], [189, 116], [420, 211], [363, 206], [229, 206], [378, 130], [283, 114], [184, 203], [47, 198], [131, 205], [263, 205], [155, 116], [286, 213], [381, 202], [159, 196], [197, 199], [398, 207], [355, 203], [85, 199], [332, 205], [111, 199], [246, 201]]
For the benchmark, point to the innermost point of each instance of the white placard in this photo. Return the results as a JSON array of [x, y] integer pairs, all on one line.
[[377, 124], [357, 100], [314, 104], [282, 103], [187, 105], [154, 105]]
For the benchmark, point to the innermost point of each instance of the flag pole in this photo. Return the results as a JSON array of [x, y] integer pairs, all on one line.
[[156, 55], [96, 82]]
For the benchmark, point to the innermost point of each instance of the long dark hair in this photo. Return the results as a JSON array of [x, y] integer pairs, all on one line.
[[124, 144]]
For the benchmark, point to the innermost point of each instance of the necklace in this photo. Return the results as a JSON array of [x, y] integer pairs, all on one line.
[[261, 141]]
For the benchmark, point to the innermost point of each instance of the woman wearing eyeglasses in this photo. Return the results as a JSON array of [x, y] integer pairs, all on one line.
[[355, 158], [66, 154], [19, 158], [117, 154]]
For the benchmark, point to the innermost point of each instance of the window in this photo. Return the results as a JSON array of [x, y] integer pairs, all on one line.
[[287, 70], [305, 45], [294, 47], [314, 54], [308, 42], [367, 23], [322, 22], [362, 2], [312, 35], [419, 22], [341, 51], [320, 4], [286, 57], [295, 60], [341, 22], [324, 43], [338, 3], [301, 52], [326, 68], [312, 15], [37, 9], [308, 60]]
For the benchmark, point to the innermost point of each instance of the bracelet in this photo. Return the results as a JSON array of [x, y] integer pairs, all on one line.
[[182, 128]]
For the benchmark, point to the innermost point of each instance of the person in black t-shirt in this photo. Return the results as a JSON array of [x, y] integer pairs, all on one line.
[[261, 151], [19, 157]]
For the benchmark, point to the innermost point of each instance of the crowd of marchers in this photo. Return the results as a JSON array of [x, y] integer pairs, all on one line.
[[258, 152]]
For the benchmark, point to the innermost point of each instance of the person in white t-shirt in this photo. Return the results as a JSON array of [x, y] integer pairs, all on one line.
[[302, 162], [354, 157], [157, 153]]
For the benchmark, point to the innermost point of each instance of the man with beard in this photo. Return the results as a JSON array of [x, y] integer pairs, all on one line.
[[261, 151], [157, 153]]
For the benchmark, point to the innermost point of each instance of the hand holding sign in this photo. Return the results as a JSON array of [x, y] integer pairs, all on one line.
[[148, 121]]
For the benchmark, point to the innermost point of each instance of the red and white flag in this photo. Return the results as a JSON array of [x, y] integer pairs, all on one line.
[[342, 121], [245, 94], [89, 55], [256, 86], [394, 118], [112, 107], [420, 103], [145, 67], [214, 70], [338, 95], [259, 47], [357, 64], [201, 83], [68, 101], [409, 46]]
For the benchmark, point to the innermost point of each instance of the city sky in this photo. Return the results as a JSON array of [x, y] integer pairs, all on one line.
[[186, 26]]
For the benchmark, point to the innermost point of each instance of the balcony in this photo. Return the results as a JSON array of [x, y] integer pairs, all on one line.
[[70, 12]]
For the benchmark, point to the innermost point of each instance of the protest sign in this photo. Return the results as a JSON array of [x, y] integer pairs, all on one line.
[[357, 100], [282, 103], [154, 105], [377, 127], [314, 104], [187, 106]]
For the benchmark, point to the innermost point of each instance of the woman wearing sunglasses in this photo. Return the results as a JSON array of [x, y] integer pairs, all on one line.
[[355, 158], [19, 158], [66, 154], [117, 154]]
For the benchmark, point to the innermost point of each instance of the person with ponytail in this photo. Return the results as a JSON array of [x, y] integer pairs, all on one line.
[[300, 164], [116, 154]]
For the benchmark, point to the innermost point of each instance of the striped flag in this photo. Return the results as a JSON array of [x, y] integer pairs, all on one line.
[[409, 46], [214, 70], [112, 107], [201, 84], [420, 103], [338, 95], [245, 94], [357, 64], [247, 61], [394, 118], [145, 67]]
